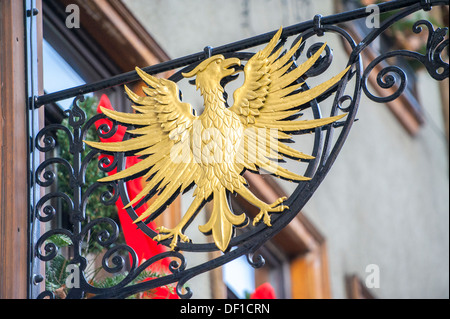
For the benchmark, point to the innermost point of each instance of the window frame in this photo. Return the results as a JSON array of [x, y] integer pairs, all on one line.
[[14, 155]]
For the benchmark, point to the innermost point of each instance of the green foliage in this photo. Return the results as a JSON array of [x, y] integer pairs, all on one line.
[[60, 240], [55, 273]]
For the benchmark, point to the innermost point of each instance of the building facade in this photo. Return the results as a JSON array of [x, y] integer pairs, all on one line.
[[378, 226]]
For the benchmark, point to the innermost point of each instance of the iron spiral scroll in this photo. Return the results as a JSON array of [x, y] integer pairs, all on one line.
[[344, 98]]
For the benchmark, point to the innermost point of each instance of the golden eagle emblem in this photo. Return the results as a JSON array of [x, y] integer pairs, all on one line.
[[213, 150]]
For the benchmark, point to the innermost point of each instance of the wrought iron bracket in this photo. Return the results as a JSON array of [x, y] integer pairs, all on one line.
[[325, 150]]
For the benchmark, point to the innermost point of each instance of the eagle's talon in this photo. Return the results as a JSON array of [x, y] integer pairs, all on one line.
[[278, 201], [263, 214], [272, 208], [166, 233]]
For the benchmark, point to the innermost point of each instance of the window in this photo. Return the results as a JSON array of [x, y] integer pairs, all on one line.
[[58, 74], [239, 278]]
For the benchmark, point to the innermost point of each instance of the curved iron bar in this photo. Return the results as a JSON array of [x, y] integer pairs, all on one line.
[[103, 131], [325, 149], [49, 140], [51, 248], [49, 175], [49, 210], [432, 61]]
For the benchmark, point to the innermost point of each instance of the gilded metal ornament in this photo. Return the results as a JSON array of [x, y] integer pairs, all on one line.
[[212, 150]]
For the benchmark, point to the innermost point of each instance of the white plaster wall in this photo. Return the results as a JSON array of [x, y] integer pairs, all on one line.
[[385, 201]]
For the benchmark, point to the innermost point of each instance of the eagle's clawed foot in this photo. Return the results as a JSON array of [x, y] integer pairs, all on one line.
[[166, 233], [275, 207]]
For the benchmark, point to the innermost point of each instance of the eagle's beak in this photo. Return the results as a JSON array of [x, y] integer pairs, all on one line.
[[230, 62]]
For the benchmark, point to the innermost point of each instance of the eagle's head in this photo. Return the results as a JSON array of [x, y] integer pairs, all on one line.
[[211, 71]]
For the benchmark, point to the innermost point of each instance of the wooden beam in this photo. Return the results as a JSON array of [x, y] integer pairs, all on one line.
[[13, 152], [356, 289], [310, 276]]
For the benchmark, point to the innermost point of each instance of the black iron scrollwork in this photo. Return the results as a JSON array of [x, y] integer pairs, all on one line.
[[394, 77]]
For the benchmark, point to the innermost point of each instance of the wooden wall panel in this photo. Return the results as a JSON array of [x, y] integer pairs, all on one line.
[[13, 152]]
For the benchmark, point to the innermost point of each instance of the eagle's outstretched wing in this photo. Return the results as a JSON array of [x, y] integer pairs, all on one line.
[[268, 97], [163, 126]]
